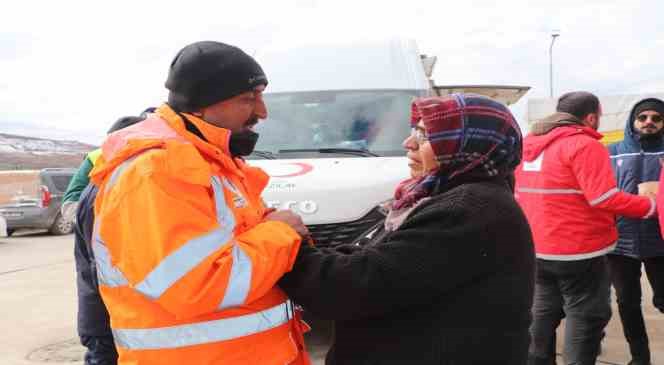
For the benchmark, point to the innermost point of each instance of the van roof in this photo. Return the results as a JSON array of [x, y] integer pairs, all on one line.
[[386, 65]]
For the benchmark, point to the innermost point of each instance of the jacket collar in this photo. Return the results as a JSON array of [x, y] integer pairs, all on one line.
[[212, 141], [553, 121], [533, 144]]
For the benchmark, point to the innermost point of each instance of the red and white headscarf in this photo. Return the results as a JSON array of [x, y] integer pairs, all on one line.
[[471, 135]]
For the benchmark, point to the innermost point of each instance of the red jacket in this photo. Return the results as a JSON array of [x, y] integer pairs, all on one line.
[[567, 189]]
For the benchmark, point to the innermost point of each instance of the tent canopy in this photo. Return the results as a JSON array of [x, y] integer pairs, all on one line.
[[507, 94]]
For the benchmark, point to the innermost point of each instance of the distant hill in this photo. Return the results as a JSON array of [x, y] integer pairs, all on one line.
[[27, 153]]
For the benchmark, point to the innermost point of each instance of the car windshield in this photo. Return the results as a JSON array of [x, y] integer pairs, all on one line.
[[315, 124]]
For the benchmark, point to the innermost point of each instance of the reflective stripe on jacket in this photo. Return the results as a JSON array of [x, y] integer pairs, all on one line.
[[566, 187], [187, 267]]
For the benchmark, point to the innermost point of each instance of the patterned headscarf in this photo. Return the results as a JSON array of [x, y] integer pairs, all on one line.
[[471, 135]]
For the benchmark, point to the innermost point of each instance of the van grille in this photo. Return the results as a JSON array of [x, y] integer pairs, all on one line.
[[342, 233]]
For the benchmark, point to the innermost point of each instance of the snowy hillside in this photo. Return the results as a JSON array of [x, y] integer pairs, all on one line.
[[21, 153], [20, 144]]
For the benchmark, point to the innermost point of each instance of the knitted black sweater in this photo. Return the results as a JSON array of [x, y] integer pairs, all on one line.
[[452, 285]]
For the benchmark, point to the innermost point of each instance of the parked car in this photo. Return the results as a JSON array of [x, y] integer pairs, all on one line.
[[40, 209]]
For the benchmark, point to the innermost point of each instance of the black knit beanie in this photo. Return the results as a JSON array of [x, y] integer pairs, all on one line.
[[204, 73], [649, 104]]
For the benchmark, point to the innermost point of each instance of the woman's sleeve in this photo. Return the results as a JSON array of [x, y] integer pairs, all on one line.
[[433, 253]]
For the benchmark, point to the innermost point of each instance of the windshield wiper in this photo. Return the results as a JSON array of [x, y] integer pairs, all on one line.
[[349, 151], [264, 154]]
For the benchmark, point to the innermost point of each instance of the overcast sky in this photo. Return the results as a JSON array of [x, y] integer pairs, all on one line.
[[79, 65]]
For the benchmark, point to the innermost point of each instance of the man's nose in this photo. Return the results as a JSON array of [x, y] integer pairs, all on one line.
[[261, 108]]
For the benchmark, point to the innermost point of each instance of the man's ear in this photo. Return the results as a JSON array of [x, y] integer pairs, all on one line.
[[586, 120], [591, 120]]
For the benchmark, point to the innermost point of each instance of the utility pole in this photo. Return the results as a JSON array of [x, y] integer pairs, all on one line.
[[554, 34]]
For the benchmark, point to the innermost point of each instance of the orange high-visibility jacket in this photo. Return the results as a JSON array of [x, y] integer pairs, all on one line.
[[187, 267]]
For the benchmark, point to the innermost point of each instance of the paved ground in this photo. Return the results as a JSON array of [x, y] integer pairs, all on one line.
[[38, 301]]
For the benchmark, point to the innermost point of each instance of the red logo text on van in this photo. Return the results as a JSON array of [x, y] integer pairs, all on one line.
[[303, 168]]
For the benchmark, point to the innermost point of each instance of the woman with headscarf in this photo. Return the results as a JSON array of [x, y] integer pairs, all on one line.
[[448, 279]]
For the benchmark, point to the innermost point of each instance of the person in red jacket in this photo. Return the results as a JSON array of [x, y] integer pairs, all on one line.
[[568, 192]]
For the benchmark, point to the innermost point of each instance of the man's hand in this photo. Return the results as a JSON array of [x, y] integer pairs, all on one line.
[[290, 218], [649, 189], [650, 194]]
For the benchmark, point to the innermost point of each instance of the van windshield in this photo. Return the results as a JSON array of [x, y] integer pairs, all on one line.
[[312, 124]]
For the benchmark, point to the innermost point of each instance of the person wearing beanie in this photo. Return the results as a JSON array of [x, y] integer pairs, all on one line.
[[187, 254], [448, 278], [92, 319], [567, 189], [637, 160]]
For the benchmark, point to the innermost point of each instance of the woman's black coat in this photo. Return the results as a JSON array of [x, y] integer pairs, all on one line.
[[452, 285]]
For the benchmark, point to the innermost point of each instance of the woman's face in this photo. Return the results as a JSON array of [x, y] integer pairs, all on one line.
[[421, 158]]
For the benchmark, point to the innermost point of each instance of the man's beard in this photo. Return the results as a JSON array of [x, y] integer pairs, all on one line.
[[242, 143], [250, 122], [651, 134]]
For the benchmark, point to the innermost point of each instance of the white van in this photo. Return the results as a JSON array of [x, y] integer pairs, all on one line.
[[338, 115]]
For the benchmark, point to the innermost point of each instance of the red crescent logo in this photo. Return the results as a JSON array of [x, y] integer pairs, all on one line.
[[304, 169]]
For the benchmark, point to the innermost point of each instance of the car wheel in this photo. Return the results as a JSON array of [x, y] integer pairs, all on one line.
[[10, 232], [61, 226]]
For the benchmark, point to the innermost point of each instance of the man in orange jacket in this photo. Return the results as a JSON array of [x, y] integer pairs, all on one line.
[[187, 254]]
